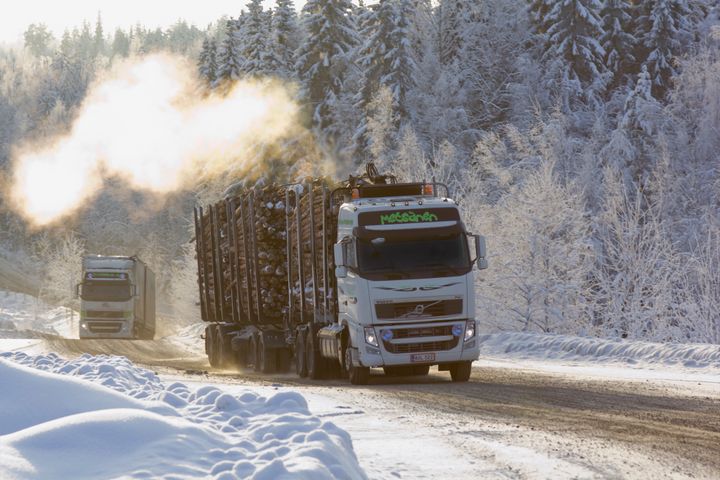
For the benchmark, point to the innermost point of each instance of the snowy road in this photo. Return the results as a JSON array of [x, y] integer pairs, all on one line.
[[512, 420]]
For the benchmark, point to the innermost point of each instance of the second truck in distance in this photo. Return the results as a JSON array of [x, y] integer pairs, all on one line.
[[338, 279]]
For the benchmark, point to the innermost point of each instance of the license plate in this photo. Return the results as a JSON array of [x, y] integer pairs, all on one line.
[[422, 357]]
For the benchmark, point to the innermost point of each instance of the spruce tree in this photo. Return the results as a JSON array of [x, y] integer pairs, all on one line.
[[207, 62], [452, 16], [574, 49], [617, 42], [254, 41], [324, 56], [666, 25], [229, 56], [283, 40]]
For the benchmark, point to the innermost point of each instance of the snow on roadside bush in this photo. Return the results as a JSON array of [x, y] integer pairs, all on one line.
[[566, 347], [102, 416]]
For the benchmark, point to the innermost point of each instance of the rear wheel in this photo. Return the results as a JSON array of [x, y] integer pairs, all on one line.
[[460, 372], [266, 358], [224, 351], [283, 360], [314, 360], [211, 346], [300, 365], [357, 375]]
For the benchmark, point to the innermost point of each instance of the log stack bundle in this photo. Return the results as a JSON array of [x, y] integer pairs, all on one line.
[[255, 244]]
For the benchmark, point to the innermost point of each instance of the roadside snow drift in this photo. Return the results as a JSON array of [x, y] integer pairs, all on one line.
[[103, 417], [565, 347]]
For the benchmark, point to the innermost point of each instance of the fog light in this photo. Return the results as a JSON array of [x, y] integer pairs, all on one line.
[[370, 337], [469, 329], [457, 330], [387, 335]]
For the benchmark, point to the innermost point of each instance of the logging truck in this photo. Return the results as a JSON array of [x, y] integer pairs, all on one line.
[[338, 279]]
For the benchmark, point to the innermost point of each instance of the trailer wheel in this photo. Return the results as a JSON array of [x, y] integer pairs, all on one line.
[[266, 358], [314, 360], [224, 349], [211, 340], [460, 371], [255, 353], [300, 365], [283, 359], [357, 375]]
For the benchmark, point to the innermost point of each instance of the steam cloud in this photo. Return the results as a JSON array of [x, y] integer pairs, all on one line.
[[147, 124]]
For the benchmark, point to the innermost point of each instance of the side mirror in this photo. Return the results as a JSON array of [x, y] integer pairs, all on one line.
[[341, 272], [339, 256], [134, 291], [481, 252]]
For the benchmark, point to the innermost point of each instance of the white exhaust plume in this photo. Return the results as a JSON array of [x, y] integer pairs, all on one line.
[[148, 124]]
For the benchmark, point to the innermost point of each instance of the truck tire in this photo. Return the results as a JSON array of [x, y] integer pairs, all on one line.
[[283, 359], [356, 375], [211, 340], [266, 357], [460, 371], [224, 349], [300, 365], [313, 359]]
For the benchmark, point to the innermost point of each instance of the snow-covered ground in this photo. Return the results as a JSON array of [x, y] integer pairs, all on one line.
[[537, 406], [103, 417], [22, 315]]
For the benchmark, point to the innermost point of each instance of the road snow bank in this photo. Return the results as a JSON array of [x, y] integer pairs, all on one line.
[[564, 347], [23, 316], [102, 417]]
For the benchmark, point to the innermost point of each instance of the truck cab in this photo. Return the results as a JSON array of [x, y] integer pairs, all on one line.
[[117, 298], [404, 269]]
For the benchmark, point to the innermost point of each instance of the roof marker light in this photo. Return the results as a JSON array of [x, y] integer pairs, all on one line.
[[428, 189], [355, 193]]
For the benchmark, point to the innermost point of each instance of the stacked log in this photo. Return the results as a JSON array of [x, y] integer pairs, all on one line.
[[316, 230], [242, 250]]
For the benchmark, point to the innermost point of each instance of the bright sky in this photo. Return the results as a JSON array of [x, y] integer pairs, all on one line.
[[62, 14]]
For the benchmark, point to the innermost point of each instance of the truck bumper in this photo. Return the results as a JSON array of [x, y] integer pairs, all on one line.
[[120, 329], [419, 344]]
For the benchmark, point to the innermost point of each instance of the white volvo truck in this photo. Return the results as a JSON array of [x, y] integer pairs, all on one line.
[[117, 298], [341, 278]]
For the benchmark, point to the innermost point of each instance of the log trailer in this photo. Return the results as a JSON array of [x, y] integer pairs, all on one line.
[[338, 279]]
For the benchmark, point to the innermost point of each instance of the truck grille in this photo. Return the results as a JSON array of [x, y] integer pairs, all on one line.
[[104, 314], [105, 327], [423, 332], [419, 309], [421, 347]]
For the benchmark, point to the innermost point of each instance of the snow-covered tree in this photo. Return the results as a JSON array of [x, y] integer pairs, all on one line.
[[451, 19], [617, 41], [207, 63], [575, 53], [283, 39], [324, 56], [230, 59], [668, 25], [386, 58], [541, 256], [254, 46]]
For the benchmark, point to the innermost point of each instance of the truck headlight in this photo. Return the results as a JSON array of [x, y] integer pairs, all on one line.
[[469, 329], [370, 337], [83, 325]]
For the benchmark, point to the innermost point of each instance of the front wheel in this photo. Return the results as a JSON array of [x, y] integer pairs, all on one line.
[[460, 372], [357, 375]]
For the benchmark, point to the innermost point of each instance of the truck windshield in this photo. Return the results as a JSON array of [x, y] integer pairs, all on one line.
[[108, 291], [382, 259]]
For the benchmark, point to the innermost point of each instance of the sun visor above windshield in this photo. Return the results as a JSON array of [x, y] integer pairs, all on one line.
[[393, 233]]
